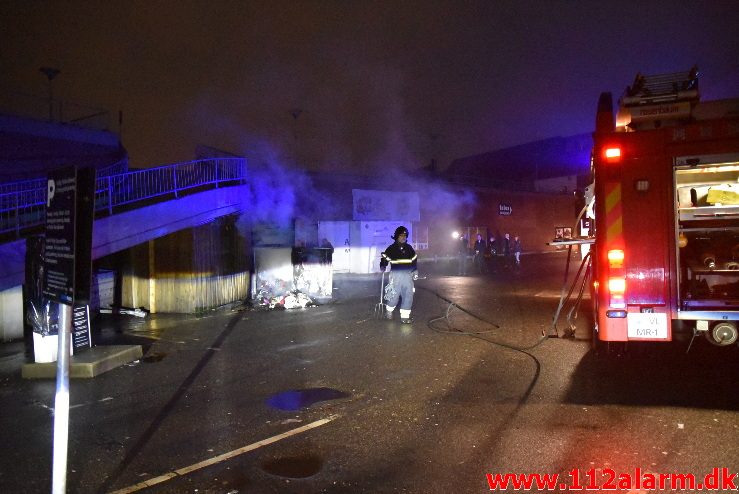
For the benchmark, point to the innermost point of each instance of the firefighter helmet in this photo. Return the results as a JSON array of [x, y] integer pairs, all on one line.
[[401, 230]]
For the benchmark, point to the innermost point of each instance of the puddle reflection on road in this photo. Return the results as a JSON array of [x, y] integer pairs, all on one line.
[[297, 467], [303, 398]]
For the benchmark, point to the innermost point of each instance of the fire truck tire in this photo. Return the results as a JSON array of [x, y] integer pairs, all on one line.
[[607, 349], [595, 342], [723, 334], [600, 348]]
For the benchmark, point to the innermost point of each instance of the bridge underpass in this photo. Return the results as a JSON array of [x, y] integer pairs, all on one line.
[[160, 230]]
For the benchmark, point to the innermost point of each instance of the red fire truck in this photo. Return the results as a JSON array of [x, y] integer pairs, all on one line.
[[666, 201]]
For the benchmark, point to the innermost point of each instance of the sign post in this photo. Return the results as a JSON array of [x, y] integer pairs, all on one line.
[[67, 265], [61, 404]]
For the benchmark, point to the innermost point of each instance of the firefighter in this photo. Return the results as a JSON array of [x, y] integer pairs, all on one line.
[[403, 272]]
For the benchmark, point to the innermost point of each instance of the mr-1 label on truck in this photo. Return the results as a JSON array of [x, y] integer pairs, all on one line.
[[647, 325]]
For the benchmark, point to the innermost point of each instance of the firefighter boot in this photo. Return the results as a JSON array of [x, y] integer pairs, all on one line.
[[405, 316], [389, 313]]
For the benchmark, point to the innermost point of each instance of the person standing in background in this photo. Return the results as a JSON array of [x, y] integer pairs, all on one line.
[[327, 251], [463, 249], [507, 249], [517, 250], [493, 251], [479, 258]]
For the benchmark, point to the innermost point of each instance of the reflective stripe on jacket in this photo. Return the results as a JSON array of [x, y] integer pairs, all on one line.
[[400, 257]]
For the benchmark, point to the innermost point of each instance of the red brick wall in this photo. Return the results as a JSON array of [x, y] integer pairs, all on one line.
[[533, 218]]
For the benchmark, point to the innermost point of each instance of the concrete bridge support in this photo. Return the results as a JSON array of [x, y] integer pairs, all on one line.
[[188, 271]]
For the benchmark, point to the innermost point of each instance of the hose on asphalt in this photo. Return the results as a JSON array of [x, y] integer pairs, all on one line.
[[481, 336], [473, 334]]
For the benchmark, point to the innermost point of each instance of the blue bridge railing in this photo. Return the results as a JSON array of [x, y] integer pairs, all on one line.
[[24, 206], [116, 168]]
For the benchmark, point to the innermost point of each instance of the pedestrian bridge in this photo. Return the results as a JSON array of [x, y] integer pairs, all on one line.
[[131, 208]]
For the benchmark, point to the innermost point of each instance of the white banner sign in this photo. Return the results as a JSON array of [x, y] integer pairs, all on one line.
[[380, 205]]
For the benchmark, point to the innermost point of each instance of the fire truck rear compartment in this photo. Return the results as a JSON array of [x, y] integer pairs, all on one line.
[[708, 237], [666, 181]]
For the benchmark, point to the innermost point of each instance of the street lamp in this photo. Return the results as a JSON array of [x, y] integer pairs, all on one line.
[[295, 112], [434, 151], [50, 73]]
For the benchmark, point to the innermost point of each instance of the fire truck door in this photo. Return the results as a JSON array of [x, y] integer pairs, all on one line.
[[646, 227]]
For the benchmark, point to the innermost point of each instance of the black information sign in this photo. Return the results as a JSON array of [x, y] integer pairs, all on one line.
[[61, 195], [70, 209], [81, 328], [83, 235]]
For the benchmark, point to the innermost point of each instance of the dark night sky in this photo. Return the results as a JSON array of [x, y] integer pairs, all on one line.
[[379, 83]]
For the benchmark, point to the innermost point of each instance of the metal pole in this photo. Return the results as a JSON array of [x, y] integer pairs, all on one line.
[[61, 403], [50, 73], [51, 103], [296, 113], [110, 195], [17, 215], [174, 180]]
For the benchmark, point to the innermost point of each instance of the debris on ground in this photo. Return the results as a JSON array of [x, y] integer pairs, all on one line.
[[276, 295], [127, 311]]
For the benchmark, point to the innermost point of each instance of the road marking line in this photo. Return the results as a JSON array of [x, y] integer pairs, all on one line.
[[222, 457]]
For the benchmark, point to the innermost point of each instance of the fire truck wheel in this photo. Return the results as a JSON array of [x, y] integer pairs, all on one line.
[[607, 349], [595, 342], [723, 334], [601, 348]]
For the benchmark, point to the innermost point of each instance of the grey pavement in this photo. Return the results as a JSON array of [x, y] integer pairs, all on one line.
[[330, 399]]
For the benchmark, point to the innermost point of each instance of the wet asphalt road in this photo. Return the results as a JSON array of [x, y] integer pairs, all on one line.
[[381, 407]]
